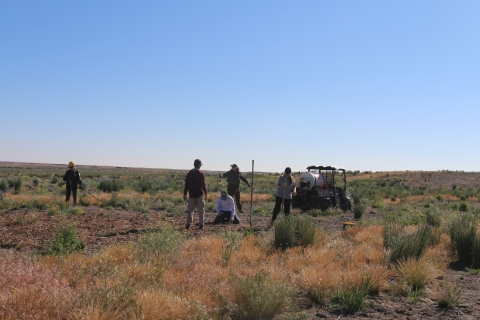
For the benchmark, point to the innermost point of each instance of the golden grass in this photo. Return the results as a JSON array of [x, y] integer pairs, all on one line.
[[200, 277]]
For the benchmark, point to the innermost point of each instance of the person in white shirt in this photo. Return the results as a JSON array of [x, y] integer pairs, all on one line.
[[225, 209]]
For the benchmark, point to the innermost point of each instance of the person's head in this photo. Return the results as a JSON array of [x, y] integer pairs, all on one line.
[[288, 171], [197, 163], [71, 165], [234, 167], [224, 195]]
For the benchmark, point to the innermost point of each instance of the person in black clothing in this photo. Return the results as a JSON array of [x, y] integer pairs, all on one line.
[[233, 179], [72, 177]]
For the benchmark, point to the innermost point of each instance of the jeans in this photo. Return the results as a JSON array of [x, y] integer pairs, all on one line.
[[278, 204]]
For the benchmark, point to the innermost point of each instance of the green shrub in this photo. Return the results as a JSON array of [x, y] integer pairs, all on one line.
[[462, 231], [36, 182], [16, 184], [358, 207], [166, 241], [439, 197], [450, 297], [64, 242], [433, 219], [3, 185], [54, 180], [284, 233], [352, 298], [113, 202], [111, 185], [305, 231], [476, 252], [291, 231], [406, 246], [463, 207], [259, 297]]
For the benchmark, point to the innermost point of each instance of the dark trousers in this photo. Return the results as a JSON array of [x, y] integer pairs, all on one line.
[[278, 205], [233, 190], [224, 216], [73, 191]]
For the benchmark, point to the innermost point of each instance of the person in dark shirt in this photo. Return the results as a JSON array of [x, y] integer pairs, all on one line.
[[197, 189], [73, 179], [233, 180]]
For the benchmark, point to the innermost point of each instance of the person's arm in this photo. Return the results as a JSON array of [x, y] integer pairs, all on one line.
[[65, 176], [224, 175], [281, 182], [79, 179], [204, 185], [242, 177], [185, 189], [217, 205]]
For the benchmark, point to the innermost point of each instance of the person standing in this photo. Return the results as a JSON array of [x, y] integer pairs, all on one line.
[[233, 180], [286, 188], [73, 180], [197, 190], [225, 209]]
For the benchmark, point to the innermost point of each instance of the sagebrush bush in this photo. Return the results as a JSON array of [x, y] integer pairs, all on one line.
[[476, 251], [54, 180], [463, 207], [16, 184], [111, 185], [358, 207], [291, 231], [305, 231], [462, 231], [36, 182], [433, 219], [259, 297], [3, 185], [64, 242], [284, 233], [165, 240]]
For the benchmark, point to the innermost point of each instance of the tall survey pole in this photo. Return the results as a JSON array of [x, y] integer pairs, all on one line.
[[251, 197]]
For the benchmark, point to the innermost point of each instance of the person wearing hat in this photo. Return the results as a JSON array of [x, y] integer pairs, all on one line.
[[233, 180], [225, 209], [73, 179], [286, 188], [197, 189]]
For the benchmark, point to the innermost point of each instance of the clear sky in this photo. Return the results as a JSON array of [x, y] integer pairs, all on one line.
[[367, 85]]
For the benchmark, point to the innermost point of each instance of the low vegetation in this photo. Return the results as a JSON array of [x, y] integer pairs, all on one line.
[[167, 273]]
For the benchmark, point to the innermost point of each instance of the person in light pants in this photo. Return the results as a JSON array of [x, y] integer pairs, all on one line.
[[225, 209], [197, 190]]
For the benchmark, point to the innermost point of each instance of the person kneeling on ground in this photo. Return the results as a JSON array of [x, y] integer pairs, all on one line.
[[225, 209]]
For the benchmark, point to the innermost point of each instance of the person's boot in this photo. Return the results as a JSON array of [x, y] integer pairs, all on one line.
[[202, 227], [187, 226]]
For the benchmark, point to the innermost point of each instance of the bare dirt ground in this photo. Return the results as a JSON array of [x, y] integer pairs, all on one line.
[[98, 227]]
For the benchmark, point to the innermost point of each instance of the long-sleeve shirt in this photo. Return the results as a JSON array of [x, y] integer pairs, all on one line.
[[195, 184], [73, 178], [226, 205], [234, 177]]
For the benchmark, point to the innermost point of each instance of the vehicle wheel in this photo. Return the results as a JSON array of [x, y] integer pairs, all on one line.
[[324, 205]]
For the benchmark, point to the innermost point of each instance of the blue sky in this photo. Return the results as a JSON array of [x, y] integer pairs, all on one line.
[[368, 85]]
